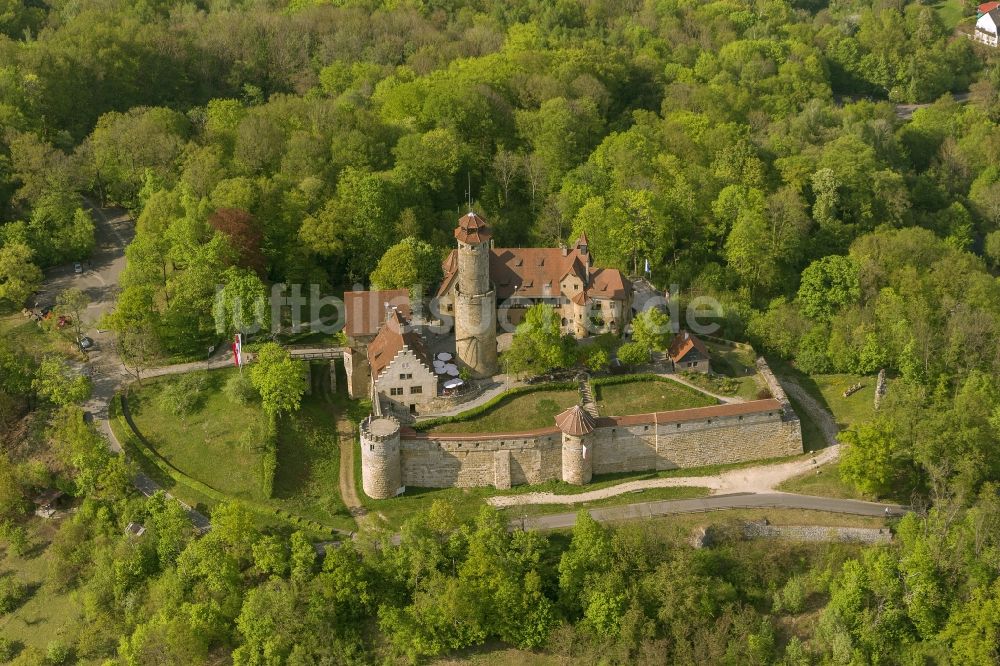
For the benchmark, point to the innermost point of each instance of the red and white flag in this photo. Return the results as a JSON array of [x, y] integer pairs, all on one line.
[[238, 350]]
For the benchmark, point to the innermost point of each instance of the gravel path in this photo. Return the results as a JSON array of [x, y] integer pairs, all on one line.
[[759, 479]]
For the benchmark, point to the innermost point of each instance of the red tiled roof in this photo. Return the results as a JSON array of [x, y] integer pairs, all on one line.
[[391, 339], [576, 421], [536, 272], [987, 7], [472, 229], [609, 283], [682, 344], [364, 311]]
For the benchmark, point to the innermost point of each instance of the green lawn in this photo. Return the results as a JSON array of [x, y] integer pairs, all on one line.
[[643, 397], [206, 446], [47, 614], [732, 361], [523, 412], [855, 408], [952, 12], [828, 391]]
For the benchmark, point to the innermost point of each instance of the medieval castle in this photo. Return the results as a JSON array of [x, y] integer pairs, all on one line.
[[389, 360]]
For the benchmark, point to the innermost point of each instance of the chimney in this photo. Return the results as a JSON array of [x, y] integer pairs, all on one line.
[[564, 249]]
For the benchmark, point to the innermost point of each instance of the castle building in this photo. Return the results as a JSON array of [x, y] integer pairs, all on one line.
[[401, 367], [588, 300], [474, 297]]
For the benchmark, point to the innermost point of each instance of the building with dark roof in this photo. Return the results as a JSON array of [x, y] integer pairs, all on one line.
[[688, 353]]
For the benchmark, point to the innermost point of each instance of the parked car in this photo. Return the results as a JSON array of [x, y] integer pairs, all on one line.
[[77, 267], [86, 343]]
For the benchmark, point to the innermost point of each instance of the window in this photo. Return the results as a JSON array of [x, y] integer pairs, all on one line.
[[396, 390], [416, 389], [406, 375]]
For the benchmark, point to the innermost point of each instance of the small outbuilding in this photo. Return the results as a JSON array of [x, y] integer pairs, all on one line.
[[688, 353]]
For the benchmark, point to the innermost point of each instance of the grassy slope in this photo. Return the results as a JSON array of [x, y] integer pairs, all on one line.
[[953, 12], [206, 447]]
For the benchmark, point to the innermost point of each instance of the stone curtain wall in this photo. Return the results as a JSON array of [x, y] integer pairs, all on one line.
[[500, 460], [721, 441], [467, 462]]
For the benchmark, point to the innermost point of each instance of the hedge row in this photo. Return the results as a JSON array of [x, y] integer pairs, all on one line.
[[136, 440], [493, 402]]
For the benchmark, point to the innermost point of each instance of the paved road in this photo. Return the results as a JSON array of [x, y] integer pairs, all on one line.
[[113, 231], [715, 503]]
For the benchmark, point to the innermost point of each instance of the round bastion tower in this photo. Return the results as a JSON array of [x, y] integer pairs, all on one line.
[[576, 424], [381, 471], [475, 298]]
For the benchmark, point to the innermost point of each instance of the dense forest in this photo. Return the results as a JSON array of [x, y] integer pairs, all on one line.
[[750, 151]]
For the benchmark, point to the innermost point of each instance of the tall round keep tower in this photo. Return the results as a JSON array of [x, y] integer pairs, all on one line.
[[475, 298], [576, 424], [381, 469]]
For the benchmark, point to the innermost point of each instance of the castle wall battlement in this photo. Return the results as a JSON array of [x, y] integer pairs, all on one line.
[[720, 434]]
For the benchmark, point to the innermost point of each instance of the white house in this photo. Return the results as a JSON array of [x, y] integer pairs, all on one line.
[[987, 27], [401, 366]]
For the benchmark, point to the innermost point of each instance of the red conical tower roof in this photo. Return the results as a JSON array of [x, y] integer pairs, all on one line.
[[472, 229], [576, 421]]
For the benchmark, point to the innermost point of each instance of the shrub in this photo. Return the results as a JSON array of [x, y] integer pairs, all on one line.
[[186, 395], [792, 597], [56, 652], [8, 649], [633, 353], [16, 537], [239, 389], [598, 360], [11, 594], [268, 466]]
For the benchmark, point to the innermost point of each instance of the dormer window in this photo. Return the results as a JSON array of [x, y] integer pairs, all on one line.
[[541, 262], [519, 261]]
